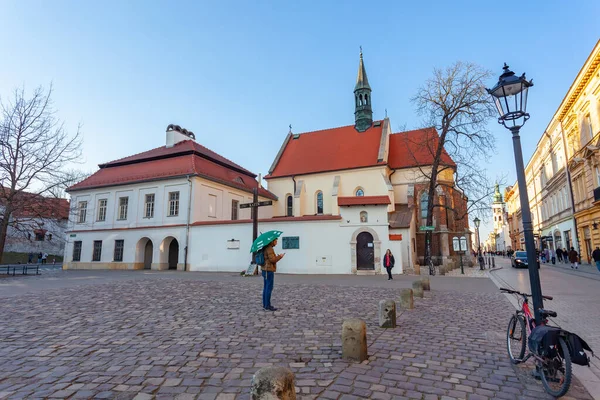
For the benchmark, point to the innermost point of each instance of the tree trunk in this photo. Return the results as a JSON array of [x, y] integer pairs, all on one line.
[[4, 231]]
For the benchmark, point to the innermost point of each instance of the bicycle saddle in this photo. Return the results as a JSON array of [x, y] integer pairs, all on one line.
[[547, 313]]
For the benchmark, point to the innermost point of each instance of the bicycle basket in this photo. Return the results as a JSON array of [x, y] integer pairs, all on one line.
[[543, 341]]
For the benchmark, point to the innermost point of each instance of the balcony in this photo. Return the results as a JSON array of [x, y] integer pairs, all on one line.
[[597, 194]]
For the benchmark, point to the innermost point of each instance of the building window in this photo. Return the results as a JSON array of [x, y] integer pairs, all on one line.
[[588, 121], [82, 212], [173, 204], [123, 202], [149, 206], [364, 217], [360, 192], [97, 254], [319, 202], [212, 206], [119, 244], [40, 235], [234, 209], [424, 203], [597, 170], [290, 206], [77, 250], [102, 210]]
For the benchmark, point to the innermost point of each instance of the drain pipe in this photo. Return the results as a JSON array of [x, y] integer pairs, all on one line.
[[187, 226]]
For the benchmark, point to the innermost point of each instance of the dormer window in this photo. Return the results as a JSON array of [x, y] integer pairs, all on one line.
[[360, 192], [239, 180]]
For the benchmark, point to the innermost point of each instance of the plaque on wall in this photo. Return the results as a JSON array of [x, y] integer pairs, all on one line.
[[290, 242], [233, 244]]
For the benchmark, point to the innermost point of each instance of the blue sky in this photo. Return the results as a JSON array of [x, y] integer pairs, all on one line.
[[238, 73]]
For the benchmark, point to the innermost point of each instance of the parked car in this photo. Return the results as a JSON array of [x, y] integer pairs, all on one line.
[[519, 260]]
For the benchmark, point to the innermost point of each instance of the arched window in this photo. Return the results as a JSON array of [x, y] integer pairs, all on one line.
[[366, 99], [290, 206], [360, 100], [424, 203], [364, 217], [360, 192], [319, 202], [356, 100]]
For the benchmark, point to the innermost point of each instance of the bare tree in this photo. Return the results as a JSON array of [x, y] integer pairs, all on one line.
[[454, 102], [34, 151]]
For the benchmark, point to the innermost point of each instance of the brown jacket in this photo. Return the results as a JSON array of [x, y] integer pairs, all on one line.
[[573, 256], [271, 259]]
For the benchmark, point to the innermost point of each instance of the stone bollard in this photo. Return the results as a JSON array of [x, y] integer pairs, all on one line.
[[406, 299], [354, 340], [417, 288], [417, 269], [493, 263], [387, 314], [270, 383], [442, 270], [426, 283]]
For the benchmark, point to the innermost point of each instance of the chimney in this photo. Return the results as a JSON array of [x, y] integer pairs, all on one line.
[[176, 134], [259, 181]]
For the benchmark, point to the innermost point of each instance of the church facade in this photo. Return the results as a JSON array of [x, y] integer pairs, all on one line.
[[342, 197]]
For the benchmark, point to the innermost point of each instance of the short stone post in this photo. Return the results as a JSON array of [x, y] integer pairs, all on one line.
[[387, 314], [271, 383], [426, 283], [417, 269], [354, 340], [493, 262], [417, 288], [406, 299], [442, 270]]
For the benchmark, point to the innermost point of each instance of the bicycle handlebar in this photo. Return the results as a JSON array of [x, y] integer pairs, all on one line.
[[523, 294]]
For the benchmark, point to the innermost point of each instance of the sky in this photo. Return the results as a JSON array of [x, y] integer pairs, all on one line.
[[238, 73]]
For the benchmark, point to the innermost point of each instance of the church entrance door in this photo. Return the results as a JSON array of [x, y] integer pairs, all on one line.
[[365, 251], [173, 254], [148, 250]]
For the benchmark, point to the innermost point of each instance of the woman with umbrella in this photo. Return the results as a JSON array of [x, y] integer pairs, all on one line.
[[264, 244]]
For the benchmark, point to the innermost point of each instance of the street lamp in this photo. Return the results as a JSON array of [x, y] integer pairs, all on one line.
[[477, 222], [510, 98]]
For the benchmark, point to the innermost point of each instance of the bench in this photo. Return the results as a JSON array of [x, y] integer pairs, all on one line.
[[24, 268]]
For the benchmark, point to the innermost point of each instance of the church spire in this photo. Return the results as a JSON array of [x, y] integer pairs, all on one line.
[[363, 113]]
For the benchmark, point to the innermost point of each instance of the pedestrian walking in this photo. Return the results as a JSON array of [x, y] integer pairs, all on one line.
[[29, 258], [552, 256], [573, 258], [596, 257], [40, 258], [565, 256], [559, 254], [268, 273], [44, 257], [388, 263]]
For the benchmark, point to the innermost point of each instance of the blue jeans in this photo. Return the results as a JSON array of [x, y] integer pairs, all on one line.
[[268, 278], [598, 265]]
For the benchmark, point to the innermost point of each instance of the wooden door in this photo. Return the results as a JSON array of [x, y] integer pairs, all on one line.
[[365, 251]]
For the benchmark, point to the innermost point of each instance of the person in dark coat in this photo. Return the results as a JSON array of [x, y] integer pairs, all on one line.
[[573, 258], [388, 263], [559, 254], [596, 257]]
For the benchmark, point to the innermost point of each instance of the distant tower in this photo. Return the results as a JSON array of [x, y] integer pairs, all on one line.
[[498, 210], [363, 113]]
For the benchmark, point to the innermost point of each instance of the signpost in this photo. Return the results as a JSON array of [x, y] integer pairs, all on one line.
[[254, 206], [460, 247], [426, 228]]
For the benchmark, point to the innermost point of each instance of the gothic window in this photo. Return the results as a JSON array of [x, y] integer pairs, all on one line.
[[424, 204], [356, 97], [364, 217], [319, 202], [290, 206], [360, 192], [366, 99], [360, 100]]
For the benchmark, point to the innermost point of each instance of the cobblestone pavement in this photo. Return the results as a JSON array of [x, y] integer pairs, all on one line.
[[576, 296], [175, 336]]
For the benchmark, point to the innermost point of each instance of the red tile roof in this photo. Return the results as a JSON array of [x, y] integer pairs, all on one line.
[[415, 148], [363, 200], [162, 164], [329, 150], [33, 205]]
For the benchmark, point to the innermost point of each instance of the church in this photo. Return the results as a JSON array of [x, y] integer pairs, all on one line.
[[342, 197]]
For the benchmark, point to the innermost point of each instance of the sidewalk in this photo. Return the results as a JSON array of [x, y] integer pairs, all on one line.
[[575, 292]]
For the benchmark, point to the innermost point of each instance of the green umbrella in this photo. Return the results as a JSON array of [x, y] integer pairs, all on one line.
[[263, 240]]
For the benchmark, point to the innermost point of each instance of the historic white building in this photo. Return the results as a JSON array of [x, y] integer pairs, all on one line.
[[341, 196]]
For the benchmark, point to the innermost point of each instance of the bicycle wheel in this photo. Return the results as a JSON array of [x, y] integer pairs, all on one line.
[[556, 371], [515, 338]]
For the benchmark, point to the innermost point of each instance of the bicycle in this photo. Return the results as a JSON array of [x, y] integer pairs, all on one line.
[[549, 367]]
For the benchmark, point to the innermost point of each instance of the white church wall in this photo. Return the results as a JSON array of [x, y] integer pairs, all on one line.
[[369, 179]]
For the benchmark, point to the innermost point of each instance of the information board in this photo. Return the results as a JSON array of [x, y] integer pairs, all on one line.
[[290, 242], [251, 269]]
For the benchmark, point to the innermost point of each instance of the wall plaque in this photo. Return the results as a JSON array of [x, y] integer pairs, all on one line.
[[290, 242]]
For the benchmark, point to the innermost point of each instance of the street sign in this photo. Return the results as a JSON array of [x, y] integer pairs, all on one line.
[[426, 228], [73, 235], [257, 204]]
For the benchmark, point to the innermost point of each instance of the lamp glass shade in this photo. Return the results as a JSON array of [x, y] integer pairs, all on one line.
[[477, 222]]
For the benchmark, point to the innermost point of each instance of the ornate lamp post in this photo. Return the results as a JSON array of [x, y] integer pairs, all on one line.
[[477, 222], [510, 97]]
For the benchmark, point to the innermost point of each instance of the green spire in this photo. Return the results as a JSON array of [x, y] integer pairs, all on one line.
[[363, 113], [497, 194]]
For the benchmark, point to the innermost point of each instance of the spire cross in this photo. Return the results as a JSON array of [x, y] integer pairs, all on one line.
[[360, 51], [386, 112]]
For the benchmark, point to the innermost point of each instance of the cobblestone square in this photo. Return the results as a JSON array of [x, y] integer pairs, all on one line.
[[184, 336]]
